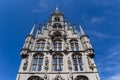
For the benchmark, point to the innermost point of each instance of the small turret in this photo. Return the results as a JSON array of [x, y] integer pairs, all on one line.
[[38, 31], [33, 29], [86, 42], [75, 29], [45, 24], [70, 26], [28, 43], [57, 9], [81, 31]]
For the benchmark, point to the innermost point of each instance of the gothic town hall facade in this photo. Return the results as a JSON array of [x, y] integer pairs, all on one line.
[[57, 52]]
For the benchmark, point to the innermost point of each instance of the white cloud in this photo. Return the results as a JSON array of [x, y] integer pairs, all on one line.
[[103, 35], [42, 6], [110, 63], [114, 51], [98, 34], [97, 19], [35, 10], [114, 77]]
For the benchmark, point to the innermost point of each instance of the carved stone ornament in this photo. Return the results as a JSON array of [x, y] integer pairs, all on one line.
[[58, 77], [25, 64]]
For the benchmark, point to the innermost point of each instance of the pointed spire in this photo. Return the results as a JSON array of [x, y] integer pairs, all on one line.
[[57, 9], [38, 32], [75, 29], [49, 19], [45, 24], [81, 30], [70, 25], [33, 29]]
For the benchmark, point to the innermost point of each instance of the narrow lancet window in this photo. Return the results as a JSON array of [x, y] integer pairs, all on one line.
[[77, 62], [40, 45], [37, 63], [74, 45], [57, 45], [57, 62]]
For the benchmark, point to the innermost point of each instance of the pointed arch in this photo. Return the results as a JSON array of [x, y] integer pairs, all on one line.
[[57, 18], [81, 77], [57, 62], [35, 78], [57, 26], [77, 62], [57, 45], [37, 62], [74, 45], [40, 45]]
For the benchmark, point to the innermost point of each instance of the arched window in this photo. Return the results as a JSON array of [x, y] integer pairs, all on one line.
[[57, 45], [37, 62], [57, 19], [57, 62], [81, 78], [57, 26], [77, 62], [74, 45], [35, 78], [40, 45]]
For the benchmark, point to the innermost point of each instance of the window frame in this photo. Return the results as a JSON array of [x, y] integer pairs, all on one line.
[[77, 62], [57, 45], [38, 59], [74, 45], [58, 65], [40, 45]]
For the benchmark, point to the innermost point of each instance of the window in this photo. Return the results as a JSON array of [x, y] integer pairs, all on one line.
[[57, 45], [37, 63], [57, 19], [40, 45], [74, 45], [77, 62], [57, 62], [81, 78], [57, 26]]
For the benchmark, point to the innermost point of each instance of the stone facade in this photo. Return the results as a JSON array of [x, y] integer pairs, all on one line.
[[57, 52]]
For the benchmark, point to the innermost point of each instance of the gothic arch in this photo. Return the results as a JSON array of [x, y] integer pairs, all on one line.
[[81, 77], [41, 39], [77, 62], [37, 62], [76, 53], [58, 53], [40, 44], [73, 40], [57, 24], [57, 62], [74, 45], [57, 18], [38, 53], [35, 78]]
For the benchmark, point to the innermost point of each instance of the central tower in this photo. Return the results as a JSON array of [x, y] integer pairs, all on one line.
[[56, 52]]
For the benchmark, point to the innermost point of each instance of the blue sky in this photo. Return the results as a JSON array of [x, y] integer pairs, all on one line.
[[100, 20]]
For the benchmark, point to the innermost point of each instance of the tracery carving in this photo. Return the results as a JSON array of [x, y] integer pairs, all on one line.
[[58, 77]]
